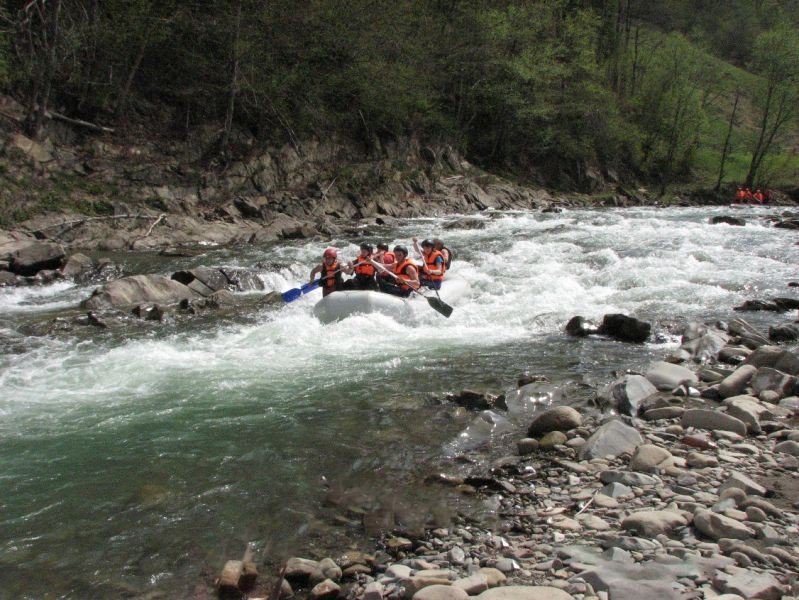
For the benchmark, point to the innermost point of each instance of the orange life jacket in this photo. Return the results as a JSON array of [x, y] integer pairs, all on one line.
[[388, 258], [430, 262], [740, 195], [759, 196], [327, 271], [399, 271], [364, 267]]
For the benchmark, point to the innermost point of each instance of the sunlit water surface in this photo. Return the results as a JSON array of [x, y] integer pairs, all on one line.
[[135, 458]]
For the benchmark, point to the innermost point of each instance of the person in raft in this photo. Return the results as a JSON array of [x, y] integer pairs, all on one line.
[[445, 252], [433, 267], [407, 277], [385, 257], [330, 272], [364, 270]]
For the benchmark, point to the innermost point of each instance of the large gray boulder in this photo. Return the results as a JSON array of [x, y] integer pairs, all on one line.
[[559, 418], [139, 289], [205, 280], [35, 257], [624, 328], [667, 376], [611, 439], [627, 393], [712, 420]]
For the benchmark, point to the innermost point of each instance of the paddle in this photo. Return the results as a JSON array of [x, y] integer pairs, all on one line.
[[294, 293], [435, 303]]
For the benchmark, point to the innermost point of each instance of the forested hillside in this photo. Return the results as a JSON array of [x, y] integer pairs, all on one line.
[[700, 92]]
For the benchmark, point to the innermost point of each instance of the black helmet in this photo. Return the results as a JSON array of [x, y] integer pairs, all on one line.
[[382, 246], [366, 246], [402, 249], [427, 243]]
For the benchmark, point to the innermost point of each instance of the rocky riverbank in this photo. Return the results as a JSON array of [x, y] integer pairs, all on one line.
[[685, 486]]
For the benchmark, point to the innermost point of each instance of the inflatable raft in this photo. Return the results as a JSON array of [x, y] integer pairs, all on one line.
[[340, 305]]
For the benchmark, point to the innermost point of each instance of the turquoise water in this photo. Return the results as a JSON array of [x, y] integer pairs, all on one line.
[[142, 458]]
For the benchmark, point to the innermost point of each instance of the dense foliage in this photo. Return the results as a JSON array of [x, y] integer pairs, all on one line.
[[666, 90]]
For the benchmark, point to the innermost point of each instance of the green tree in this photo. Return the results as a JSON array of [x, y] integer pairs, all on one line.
[[669, 109], [776, 60]]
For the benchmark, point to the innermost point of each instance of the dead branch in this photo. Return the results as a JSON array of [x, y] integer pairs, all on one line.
[[156, 222], [69, 225], [327, 189], [79, 122]]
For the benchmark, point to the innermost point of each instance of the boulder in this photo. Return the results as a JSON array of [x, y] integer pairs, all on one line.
[[624, 328], [650, 523], [767, 378], [749, 410], [35, 257], [627, 394], [666, 376], [559, 418], [716, 526], [748, 583], [712, 420], [138, 289], [611, 439], [736, 382], [649, 458], [524, 592], [580, 327]]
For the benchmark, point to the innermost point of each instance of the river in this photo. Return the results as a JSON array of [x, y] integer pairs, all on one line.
[[142, 458]]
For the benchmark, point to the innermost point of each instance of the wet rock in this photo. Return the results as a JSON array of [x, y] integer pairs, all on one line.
[[138, 289], [625, 328], [559, 418], [303, 571], [727, 220], [787, 332], [580, 327], [77, 266], [32, 258], [472, 400]]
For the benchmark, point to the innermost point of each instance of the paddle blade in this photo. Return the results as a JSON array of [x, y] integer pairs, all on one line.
[[291, 295], [309, 287], [441, 306]]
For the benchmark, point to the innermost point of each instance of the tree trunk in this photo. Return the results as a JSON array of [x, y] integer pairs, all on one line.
[[50, 14], [726, 148], [754, 164], [124, 93], [234, 84]]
